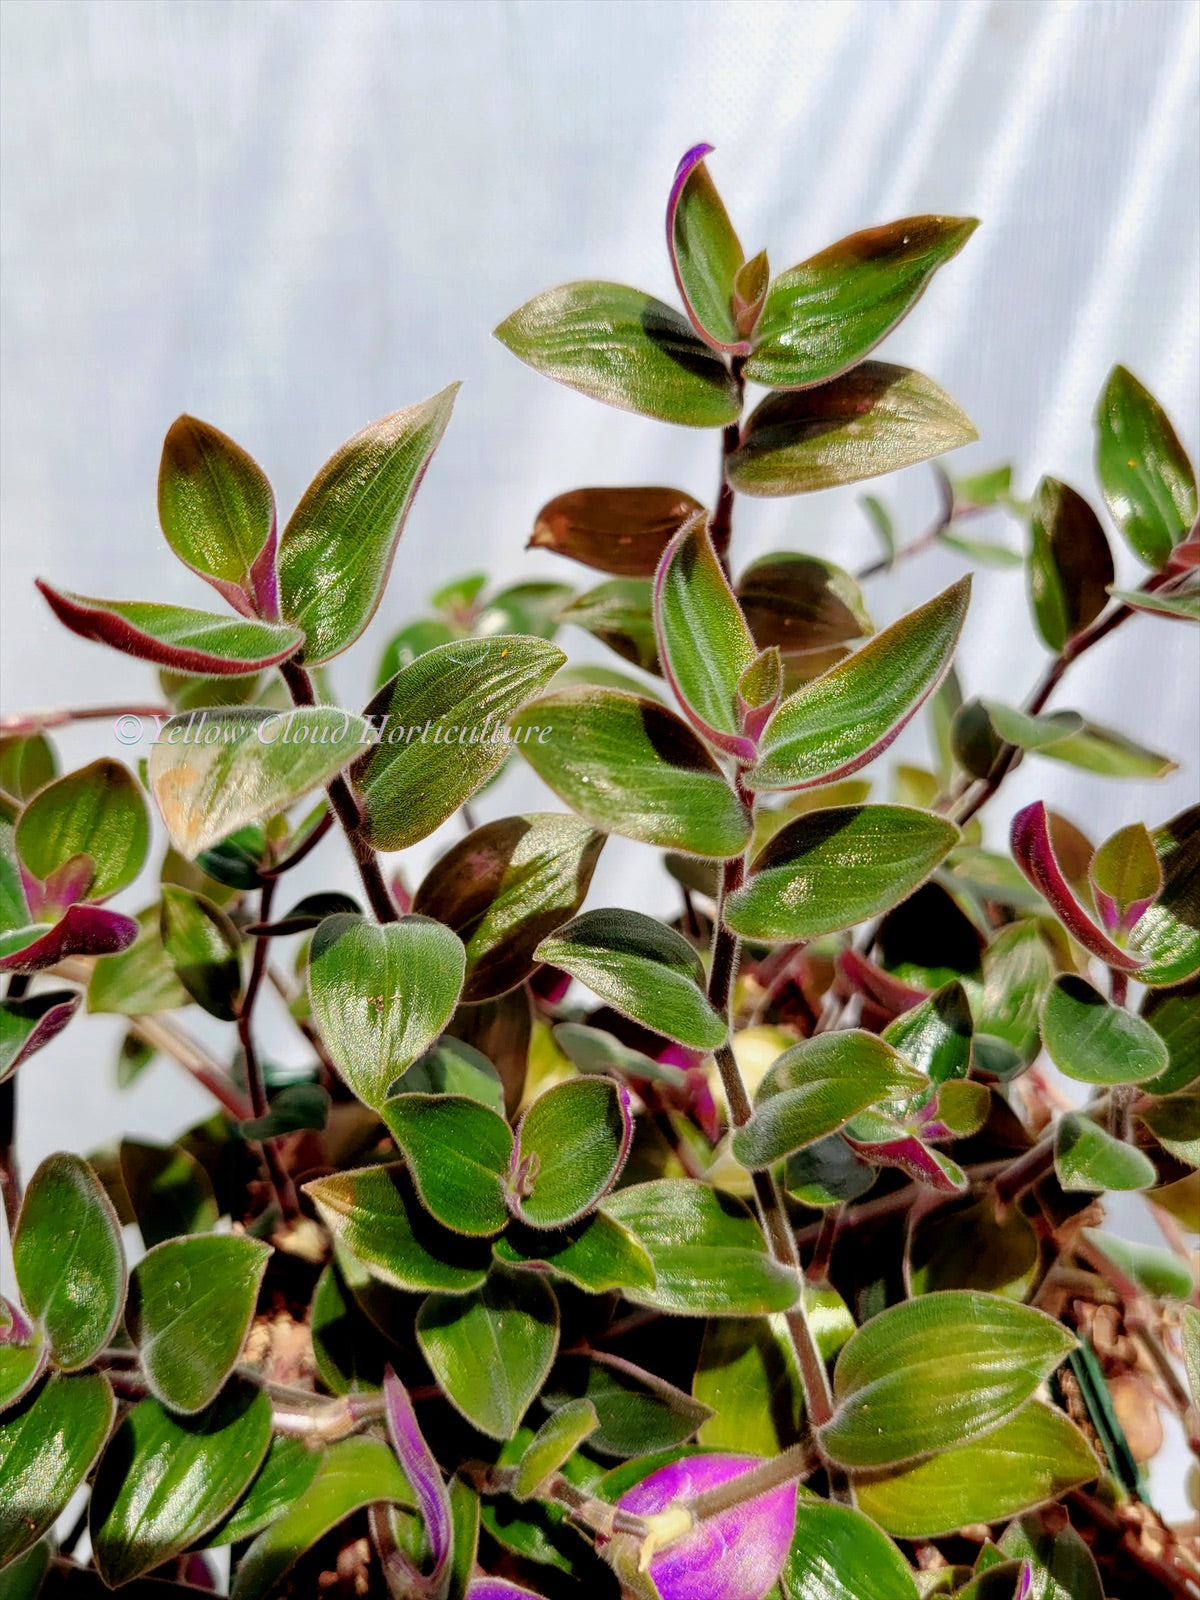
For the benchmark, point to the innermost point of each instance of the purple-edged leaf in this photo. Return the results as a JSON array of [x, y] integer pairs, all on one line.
[[218, 514], [1033, 851], [838, 723], [99, 812], [619, 531], [706, 253], [571, 1145], [632, 767], [423, 1472], [832, 869], [176, 637], [336, 552], [62, 887], [703, 641], [884, 1142], [29, 1024], [1070, 564], [759, 691], [830, 311], [83, 931], [625, 348], [1147, 479], [873, 419], [737, 1554]]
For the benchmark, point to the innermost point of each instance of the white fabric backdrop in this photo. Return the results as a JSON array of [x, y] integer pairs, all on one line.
[[289, 218]]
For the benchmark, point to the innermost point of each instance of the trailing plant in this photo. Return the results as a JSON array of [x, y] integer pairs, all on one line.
[[753, 1251]]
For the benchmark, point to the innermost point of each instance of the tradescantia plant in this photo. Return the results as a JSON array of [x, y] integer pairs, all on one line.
[[754, 1251]]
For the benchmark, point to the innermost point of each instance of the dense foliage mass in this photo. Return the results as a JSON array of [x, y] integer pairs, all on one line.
[[757, 1251]]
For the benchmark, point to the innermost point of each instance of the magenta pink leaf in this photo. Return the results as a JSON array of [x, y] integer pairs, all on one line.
[[423, 1472], [176, 637], [876, 985], [45, 1016], [705, 253], [735, 1555], [83, 931], [1033, 852]]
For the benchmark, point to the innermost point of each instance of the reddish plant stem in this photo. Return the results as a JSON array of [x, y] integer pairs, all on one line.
[[29, 722], [281, 1182], [169, 1037], [964, 805], [926, 540], [258, 965], [721, 526], [1025, 1171], [776, 1228], [345, 806], [10, 1176], [299, 853]]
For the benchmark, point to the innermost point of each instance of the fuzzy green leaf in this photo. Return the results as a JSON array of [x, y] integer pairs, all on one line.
[[166, 1480], [644, 969], [1034, 1457], [832, 310], [833, 726], [571, 1146], [69, 1259], [47, 1448], [382, 995], [490, 1351], [816, 1087], [1095, 1042], [204, 947], [190, 1305], [213, 772], [1147, 479], [336, 552], [355, 1473], [707, 1251], [631, 767], [936, 1372], [97, 812], [832, 869], [624, 348], [872, 419], [376, 1215], [442, 727], [217, 511], [458, 1152]]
